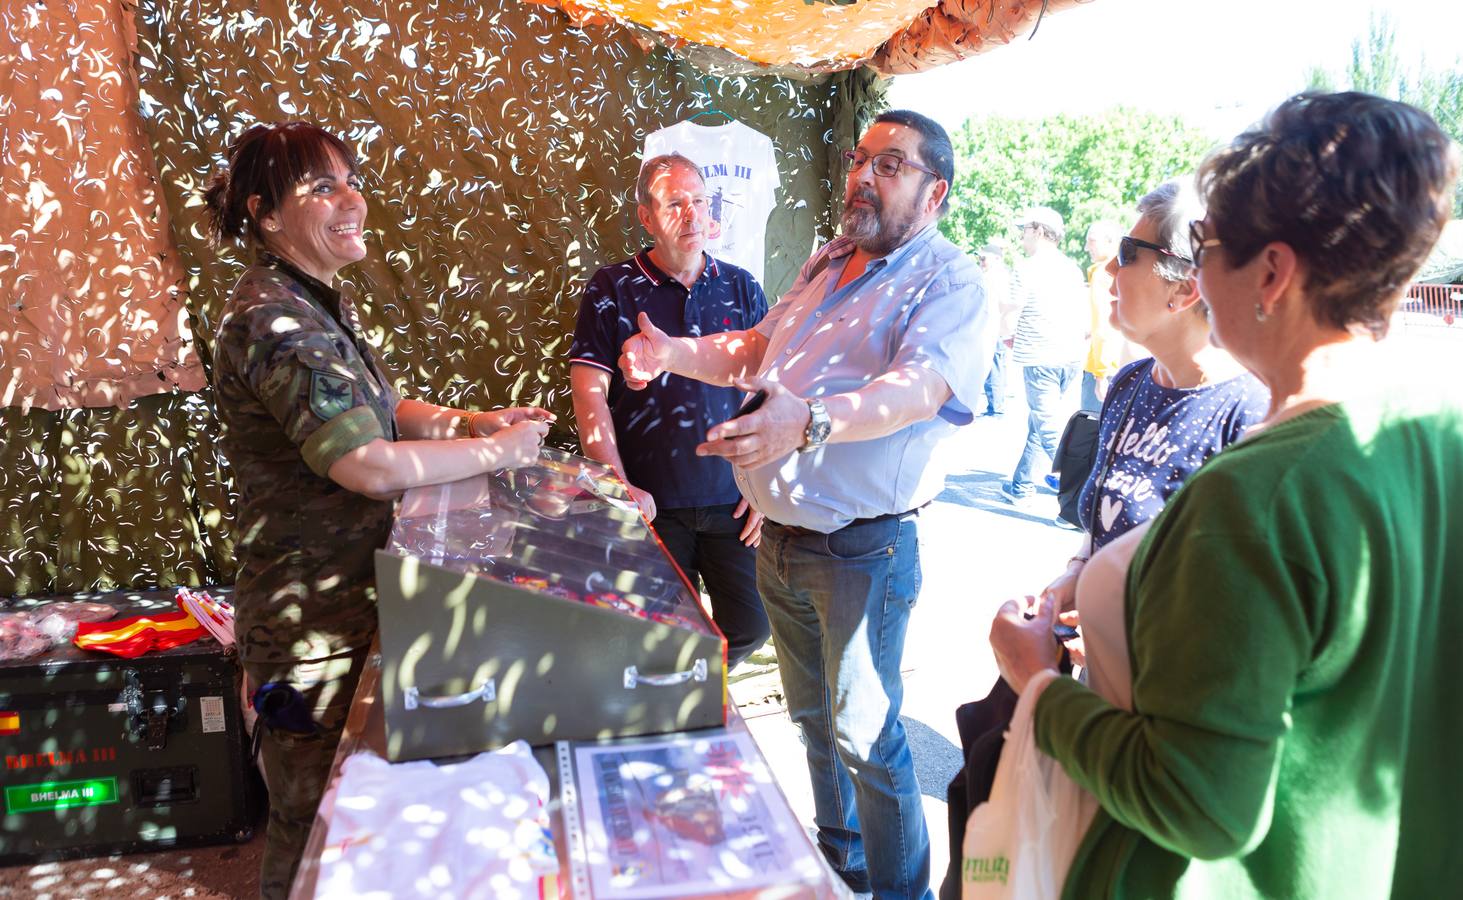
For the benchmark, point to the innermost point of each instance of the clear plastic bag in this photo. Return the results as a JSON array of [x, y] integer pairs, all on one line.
[[27, 633], [20, 638]]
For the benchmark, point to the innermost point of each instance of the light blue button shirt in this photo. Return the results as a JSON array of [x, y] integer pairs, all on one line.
[[924, 304]]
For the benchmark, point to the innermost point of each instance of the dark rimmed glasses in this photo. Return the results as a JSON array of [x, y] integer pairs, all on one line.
[[886, 165], [1128, 251], [1198, 243]]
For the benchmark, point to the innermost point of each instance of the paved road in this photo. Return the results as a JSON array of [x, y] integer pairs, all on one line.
[[977, 551]]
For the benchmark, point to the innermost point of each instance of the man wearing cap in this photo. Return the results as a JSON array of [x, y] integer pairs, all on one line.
[[998, 288], [649, 436], [1050, 340], [871, 360]]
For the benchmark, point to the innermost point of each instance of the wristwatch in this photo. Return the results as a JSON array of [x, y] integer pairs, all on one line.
[[819, 426]]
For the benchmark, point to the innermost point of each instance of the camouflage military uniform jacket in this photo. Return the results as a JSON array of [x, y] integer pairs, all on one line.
[[297, 389]]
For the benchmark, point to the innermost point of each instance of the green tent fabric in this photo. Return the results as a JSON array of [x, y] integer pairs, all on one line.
[[500, 147], [107, 498]]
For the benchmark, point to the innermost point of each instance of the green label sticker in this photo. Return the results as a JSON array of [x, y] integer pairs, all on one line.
[[330, 395], [24, 798]]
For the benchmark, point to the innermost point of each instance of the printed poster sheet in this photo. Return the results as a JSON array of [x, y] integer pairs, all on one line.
[[686, 816]]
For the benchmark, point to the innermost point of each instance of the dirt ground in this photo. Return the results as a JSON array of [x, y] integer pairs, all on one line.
[[210, 873]]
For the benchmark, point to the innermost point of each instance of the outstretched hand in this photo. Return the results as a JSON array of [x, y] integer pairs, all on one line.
[[645, 355], [764, 436]]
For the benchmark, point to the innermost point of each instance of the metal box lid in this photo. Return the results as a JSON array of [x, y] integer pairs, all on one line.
[[565, 527]]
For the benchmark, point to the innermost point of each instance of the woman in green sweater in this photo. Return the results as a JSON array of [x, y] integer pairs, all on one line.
[[1291, 617]]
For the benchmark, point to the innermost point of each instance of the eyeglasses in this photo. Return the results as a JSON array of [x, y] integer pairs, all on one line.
[[1198, 243], [1128, 251], [886, 165]]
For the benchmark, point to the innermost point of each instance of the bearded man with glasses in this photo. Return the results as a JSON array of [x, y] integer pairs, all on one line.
[[870, 361]]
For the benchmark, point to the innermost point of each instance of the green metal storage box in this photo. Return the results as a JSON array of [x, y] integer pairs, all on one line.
[[109, 755], [536, 604]]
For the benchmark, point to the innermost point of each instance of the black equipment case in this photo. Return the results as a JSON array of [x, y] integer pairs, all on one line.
[[111, 755]]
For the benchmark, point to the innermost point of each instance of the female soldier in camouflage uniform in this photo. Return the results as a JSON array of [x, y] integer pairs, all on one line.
[[320, 445]]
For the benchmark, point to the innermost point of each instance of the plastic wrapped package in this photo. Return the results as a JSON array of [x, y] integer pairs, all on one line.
[[27, 633], [20, 638]]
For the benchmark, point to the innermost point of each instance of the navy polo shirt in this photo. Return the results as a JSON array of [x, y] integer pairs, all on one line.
[[657, 429]]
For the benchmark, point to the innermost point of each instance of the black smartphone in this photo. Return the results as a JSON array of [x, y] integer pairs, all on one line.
[[753, 404], [1064, 632]]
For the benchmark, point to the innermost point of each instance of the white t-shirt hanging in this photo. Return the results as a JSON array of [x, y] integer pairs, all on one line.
[[740, 168]]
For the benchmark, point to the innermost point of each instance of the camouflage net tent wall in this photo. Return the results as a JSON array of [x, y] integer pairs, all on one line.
[[500, 141], [500, 145]]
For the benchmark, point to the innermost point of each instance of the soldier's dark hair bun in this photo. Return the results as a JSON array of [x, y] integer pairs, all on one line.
[[267, 161]]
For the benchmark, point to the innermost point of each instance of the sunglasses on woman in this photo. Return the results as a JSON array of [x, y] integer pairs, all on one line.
[[1128, 251]]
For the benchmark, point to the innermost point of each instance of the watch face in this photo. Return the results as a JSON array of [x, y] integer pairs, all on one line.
[[819, 425]]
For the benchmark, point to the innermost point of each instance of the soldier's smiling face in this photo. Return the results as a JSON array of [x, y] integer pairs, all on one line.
[[319, 225]]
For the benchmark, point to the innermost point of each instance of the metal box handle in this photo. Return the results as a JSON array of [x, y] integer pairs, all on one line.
[[634, 679], [486, 692]]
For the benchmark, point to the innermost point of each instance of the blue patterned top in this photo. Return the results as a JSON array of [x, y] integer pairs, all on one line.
[[1166, 436]]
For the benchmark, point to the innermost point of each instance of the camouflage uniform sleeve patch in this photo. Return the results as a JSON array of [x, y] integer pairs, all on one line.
[[299, 374], [330, 395], [356, 427]]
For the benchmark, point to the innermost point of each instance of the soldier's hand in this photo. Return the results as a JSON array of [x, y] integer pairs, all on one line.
[[645, 355], [491, 421], [519, 443]]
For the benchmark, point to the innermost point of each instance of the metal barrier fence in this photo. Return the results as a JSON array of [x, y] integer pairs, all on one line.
[[1432, 306]]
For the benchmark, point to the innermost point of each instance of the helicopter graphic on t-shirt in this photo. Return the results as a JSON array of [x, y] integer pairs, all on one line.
[[723, 211]]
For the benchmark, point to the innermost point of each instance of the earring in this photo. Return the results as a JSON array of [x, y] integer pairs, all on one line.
[[1260, 314], [273, 226], [1170, 306]]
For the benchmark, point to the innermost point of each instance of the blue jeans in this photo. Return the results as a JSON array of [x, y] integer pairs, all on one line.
[[704, 541], [1045, 386], [995, 382], [1090, 401], [839, 604]]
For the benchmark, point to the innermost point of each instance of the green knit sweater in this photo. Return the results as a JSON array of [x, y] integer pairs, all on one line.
[[1295, 624]]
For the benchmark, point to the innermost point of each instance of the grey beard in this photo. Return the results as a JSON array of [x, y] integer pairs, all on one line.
[[861, 224], [872, 234]]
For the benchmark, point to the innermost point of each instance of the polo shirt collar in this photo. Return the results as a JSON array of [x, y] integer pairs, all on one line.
[[650, 270]]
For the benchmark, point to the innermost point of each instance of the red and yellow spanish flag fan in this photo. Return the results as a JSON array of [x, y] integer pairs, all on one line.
[[132, 637]]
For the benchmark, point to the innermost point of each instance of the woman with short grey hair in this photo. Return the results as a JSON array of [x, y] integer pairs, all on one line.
[[1166, 414], [1163, 417]]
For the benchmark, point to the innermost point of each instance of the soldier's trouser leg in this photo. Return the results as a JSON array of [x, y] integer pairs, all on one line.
[[297, 765]]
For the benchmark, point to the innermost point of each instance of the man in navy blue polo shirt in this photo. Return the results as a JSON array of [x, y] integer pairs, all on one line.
[[650, 436]]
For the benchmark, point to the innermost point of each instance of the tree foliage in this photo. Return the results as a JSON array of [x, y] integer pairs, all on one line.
[[1085, 167], [1377, 67]]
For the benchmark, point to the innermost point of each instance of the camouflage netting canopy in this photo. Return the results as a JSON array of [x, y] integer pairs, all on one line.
[[798, 37], [500, 145]]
